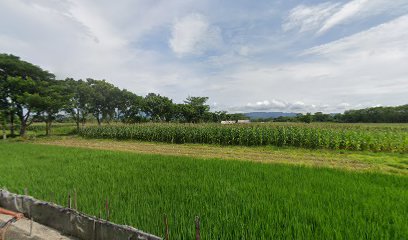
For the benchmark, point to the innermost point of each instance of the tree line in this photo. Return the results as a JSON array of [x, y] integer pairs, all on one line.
[[397, 114], [28, 94]]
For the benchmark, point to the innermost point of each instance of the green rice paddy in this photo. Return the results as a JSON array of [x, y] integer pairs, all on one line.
[[234, 199]]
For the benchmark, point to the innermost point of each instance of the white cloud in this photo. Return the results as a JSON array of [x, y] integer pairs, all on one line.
[[76, 39], [266, 104], [275, 105], [251, 60], [307, 18], [347, 11], [386, 41], [362, 70], [325, 16], [194, 35]]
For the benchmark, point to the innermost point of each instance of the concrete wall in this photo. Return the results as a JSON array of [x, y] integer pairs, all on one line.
[[69, 221]]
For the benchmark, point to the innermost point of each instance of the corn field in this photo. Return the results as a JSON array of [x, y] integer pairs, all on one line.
[[347, 137]]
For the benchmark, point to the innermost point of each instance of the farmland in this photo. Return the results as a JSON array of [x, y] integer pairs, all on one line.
[[364, 137], [234, 199], [236, 119], [327, 180]]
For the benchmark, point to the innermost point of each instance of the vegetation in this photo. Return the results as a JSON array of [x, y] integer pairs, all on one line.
[[30, 94], [394, 163], [235, 200], [297, 135], [398, 114]]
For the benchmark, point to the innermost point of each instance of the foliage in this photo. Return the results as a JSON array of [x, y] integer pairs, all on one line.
[[20, 86], [78, 106], [234, 200], [130, 107], [103, 101], [158, 108], [397, 114], [29, 93], [55, 96], [338, 136], [195, 108]]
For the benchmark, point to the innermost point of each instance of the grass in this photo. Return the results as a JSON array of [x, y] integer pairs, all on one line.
[[234, 199], [394, 163]]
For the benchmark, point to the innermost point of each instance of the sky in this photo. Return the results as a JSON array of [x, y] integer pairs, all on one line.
[[245, 55]]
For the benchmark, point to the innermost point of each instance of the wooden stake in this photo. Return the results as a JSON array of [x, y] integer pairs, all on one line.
[[197, 222], [31, 227], [69, 200], [166, 224], [26, 191], [107, 209], [52, 197], [94, 230], [75, 200]]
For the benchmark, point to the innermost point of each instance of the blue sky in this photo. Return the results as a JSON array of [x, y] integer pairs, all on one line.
[[302, 56]]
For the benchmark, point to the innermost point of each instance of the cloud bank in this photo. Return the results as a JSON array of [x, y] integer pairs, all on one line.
[[263, 55]]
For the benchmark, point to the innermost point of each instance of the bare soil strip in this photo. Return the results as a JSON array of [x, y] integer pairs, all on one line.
[[358, 161]]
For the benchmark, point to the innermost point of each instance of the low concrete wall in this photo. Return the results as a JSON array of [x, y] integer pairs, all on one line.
[[69, 221]]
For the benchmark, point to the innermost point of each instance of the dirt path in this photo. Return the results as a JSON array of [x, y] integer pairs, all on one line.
[[317, 158]]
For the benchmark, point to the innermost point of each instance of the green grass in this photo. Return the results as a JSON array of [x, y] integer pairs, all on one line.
[[235, 200], [38, 129], [312, 136], [57, 129]]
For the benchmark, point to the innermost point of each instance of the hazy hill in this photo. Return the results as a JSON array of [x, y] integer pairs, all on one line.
[[256, 115]]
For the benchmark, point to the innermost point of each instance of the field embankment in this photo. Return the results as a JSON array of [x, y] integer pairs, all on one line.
[[394, 163]]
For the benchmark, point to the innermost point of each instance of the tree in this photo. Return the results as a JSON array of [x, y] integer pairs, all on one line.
[[79, 104], [4, 107], [104, 101], [3, 124], [158, 108], [20, 82], [130, 107], [321, 117], [54, 97], [398, 114], [220, 116], [237, 116], [195, 109], [308, 118], [25, 98]]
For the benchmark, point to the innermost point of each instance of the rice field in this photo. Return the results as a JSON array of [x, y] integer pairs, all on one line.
[[234, 199], [355, 137]]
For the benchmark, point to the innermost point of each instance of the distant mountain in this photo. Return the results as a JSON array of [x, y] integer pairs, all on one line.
[[257, 115]]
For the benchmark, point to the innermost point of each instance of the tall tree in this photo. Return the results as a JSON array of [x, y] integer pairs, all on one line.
[[79, 105], [20, 82], [104, 101], [54, 98], [25, 98], [159, 108], [196, 108], [3, 124], [4, 106], [130, 107]]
